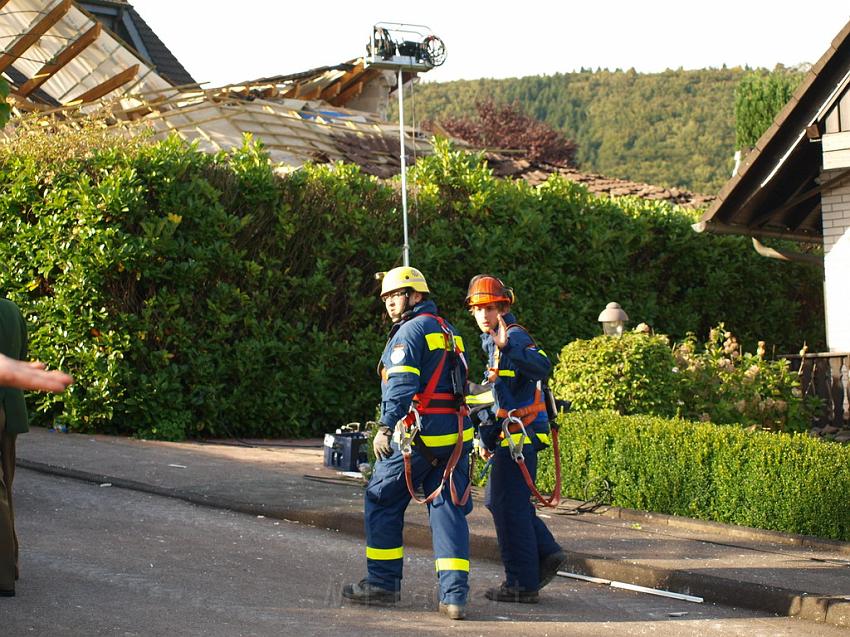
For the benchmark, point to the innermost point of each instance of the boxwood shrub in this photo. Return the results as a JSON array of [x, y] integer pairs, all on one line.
[[630, 374], [784, 482]]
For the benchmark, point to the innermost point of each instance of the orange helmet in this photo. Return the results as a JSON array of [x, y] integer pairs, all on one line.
[[485, 288]]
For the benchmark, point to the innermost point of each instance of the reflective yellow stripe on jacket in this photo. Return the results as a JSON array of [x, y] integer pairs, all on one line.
[[400, 369], [446, 439], [437, 340], [481, 399], [544, 438]]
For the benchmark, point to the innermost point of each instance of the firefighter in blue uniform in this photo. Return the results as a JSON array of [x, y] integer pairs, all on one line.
[[517, 368], [422, 355]]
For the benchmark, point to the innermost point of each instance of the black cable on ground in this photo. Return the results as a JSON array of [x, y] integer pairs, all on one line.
[[239, 442], [597, 493]]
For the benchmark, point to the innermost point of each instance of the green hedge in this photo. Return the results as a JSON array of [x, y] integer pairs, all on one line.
[[196, 295], [783, 482]]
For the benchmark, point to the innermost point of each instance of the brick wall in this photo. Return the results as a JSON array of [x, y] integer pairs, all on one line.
[[835, 205]]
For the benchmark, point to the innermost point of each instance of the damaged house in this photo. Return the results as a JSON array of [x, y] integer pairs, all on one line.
[[76, 58]]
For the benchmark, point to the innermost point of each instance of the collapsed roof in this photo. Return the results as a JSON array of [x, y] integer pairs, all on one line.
[[60, 59]]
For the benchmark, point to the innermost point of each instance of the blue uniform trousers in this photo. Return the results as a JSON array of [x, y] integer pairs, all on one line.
[[523, 538], [387, 498]]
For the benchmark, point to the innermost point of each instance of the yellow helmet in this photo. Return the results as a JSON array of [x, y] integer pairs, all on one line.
[[403, 277]]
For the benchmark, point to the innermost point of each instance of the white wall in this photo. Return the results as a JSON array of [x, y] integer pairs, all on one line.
[[835, 204]]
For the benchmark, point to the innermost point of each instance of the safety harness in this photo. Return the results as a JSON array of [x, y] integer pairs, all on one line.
[[512, 424], [429, 402], [514, 421]]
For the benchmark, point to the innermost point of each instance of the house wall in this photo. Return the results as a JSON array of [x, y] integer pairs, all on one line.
[[835, 205], [375, 96]]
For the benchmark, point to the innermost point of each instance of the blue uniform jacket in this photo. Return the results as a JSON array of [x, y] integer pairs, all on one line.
[[414, 349], [521, 366]]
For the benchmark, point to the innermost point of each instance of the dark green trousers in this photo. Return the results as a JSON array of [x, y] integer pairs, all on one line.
[[8, 539]]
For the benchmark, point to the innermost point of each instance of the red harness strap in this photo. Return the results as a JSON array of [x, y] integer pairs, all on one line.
[[429, 401]]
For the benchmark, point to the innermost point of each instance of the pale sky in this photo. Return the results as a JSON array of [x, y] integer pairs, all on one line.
[[221, 43]]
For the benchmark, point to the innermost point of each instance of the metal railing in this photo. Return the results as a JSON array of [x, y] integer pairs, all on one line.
[[825, 375]]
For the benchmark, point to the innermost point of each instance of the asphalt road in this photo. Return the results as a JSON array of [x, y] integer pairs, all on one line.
[[98, 560]]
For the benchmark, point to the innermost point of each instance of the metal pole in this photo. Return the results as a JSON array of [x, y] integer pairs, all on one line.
[[405, 251]]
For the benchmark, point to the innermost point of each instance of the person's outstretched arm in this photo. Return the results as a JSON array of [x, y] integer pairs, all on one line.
[[32, 375]]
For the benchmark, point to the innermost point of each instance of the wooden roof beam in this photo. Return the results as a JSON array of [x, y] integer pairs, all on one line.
[[106, 87], [60, 60], [293, 92], [337, 87], [331, 91], [26, 40], [348, 94], [312, 94]]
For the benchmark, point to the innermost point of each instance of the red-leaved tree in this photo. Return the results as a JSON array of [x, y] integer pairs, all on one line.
[[506, 127]]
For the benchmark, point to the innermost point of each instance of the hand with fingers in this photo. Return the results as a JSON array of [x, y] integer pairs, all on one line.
[[500, 334], [381, 443], [32, 375]]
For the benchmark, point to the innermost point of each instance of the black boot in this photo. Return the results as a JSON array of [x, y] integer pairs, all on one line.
[[365, 593], [549, 567], [505, 593]]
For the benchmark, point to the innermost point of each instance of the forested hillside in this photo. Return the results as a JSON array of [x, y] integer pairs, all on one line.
[[675, 128]]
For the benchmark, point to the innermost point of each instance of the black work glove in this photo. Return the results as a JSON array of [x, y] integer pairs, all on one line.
[[381, 442]]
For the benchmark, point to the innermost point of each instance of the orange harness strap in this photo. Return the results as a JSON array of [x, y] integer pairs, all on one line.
[[526, 414], [555, 499]]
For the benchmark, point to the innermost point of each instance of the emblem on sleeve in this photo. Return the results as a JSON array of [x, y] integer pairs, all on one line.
[[397, 355]]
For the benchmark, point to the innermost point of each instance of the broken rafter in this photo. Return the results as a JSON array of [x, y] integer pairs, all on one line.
[[354, 89], [107, 86], [107, 61], [24, 105], [65, 55], [336, 88], [312, 94], [26, 40], [348, 94]]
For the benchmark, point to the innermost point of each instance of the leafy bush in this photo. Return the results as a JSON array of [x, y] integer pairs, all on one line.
[[198, 295], [638, 373], [724, 384], [783, 482], [631, 374]]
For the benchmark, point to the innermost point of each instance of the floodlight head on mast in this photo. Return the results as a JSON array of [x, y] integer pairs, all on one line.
[[405, 47]]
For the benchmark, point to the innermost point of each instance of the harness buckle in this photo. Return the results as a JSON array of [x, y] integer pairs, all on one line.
[[407, 433], [515, 449]]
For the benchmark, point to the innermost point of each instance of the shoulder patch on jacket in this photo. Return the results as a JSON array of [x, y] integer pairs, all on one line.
[[397, 355]]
